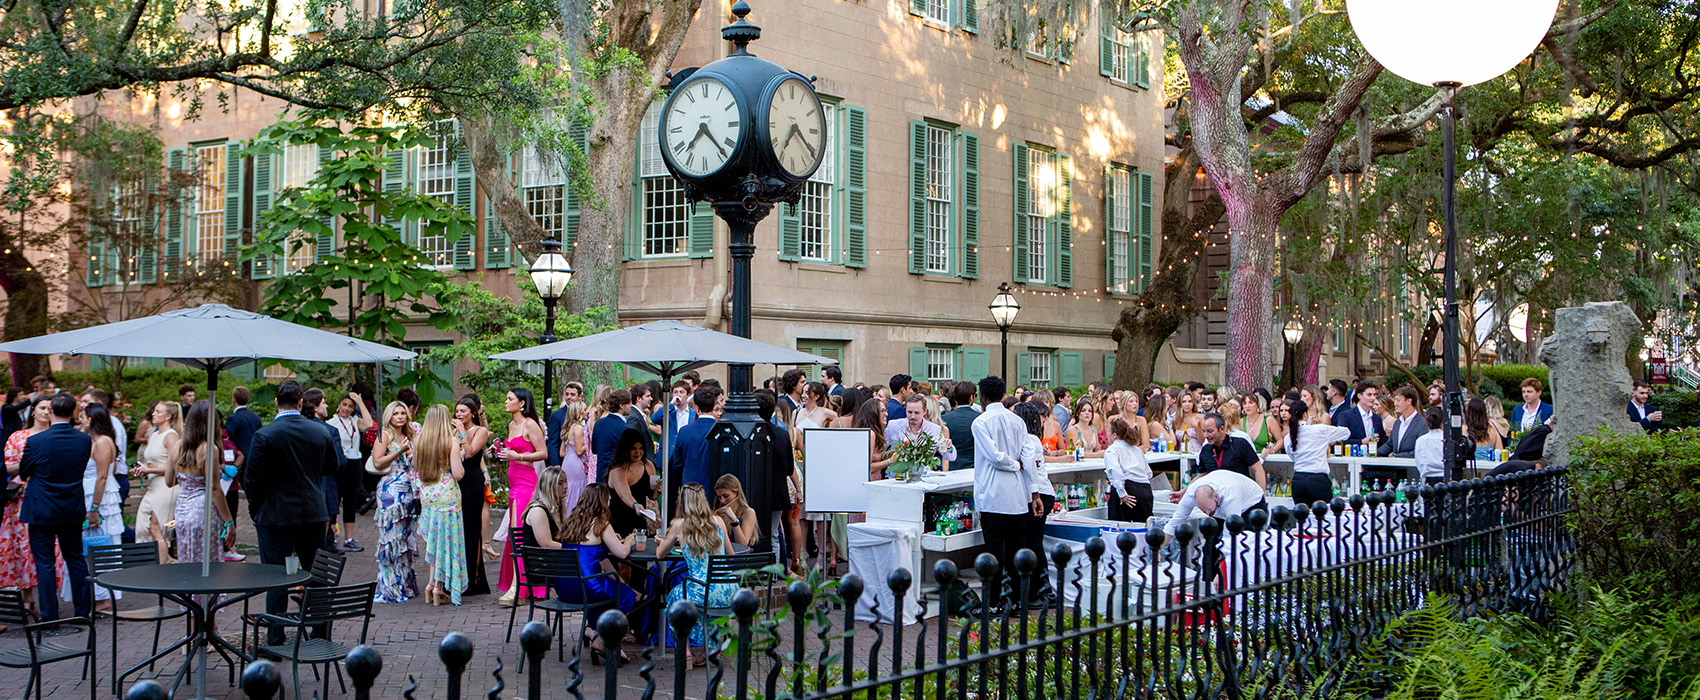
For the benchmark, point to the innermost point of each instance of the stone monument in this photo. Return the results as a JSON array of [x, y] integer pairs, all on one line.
[[1584, 359]]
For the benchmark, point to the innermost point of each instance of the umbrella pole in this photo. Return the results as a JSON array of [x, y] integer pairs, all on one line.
[[666, 450], [210, 479]]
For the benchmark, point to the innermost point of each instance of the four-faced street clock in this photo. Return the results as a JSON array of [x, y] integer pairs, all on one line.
[[742, 129]]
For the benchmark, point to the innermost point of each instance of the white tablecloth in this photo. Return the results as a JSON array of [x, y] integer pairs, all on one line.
[[876, 550]]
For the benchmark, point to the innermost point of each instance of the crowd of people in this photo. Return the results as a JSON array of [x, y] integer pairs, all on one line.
[[585, 476]]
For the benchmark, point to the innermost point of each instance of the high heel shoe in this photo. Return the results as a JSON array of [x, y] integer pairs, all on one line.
[[507, 601]]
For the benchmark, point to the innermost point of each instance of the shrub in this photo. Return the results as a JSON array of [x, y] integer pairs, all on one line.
[[1616, 645], [1637, 514], [1430, 374], [1682, 408], [1510, 378]]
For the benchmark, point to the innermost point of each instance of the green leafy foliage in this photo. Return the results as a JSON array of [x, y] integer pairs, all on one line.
[[1615, 645], [142, 386], [1510, 378], [373, 259], [1434, 373], [1637, 514], [1682, 408]]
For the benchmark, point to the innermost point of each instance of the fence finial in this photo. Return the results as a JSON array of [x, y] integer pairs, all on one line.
[[147, 690], [261, 680], [363, 663]]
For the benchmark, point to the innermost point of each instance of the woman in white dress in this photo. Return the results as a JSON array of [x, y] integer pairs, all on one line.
[[100, 490], [160, 500]]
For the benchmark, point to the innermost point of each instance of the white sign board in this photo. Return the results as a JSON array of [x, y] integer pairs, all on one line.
[[835, 466]]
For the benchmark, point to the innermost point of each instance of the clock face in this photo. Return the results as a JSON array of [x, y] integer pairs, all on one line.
[[701, 127], [796, 127]]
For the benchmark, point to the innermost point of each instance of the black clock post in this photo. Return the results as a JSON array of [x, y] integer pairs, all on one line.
[[734, 140]]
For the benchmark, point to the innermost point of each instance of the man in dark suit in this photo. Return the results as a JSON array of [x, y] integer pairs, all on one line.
[[691, 461], [833, 377], [959, 422], [1402, 435], [52, 469], [1340, 411], [572, 393], [1650, 419], [605, 433], [283, 478]]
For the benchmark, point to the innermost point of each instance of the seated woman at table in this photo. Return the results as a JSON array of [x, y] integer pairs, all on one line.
[[1082, 431], [1155, 408], [732, 508], [629, 477], [1477, 427], [698, 533], [589, 531], [1496, 419]]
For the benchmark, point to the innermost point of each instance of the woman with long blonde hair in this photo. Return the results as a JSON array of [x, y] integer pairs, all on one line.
[[398, 490], [1496, 418], [575, 449], [159, 502], [1185, 424], [699, 534], [441, 521]]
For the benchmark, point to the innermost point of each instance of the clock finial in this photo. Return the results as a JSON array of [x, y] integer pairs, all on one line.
[[740, 32]]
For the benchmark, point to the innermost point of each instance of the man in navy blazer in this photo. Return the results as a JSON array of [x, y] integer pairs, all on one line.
[[52, 469], [1650, 418], [572, 393], [691, 461], [284, 481], [1341, 414]]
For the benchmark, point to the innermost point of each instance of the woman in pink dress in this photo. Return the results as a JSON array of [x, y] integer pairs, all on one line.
[[524, 453]]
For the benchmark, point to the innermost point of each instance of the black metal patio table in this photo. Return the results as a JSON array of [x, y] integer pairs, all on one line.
[[184, 584]]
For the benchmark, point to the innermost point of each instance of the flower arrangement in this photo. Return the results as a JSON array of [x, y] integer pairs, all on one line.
[[909, 454]]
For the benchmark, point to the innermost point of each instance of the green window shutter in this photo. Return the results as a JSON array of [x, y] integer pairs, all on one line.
[[1111, 274], [1109, 366], [395, 181], [1020, 212], [970, 205], [571, 217], [918, 363], [971, 16], [1071, 369], [917, 197], [918, 8], [1142, 70], [702, 230], [147, 263], [233, 180], [464, 258], [976, 364], [1144, 229], [856, 187], [1065, 222], [790, 232], [95, 272], [1023, 367], [262, 268], [1106, 47], [498, 251], [324, 244], [177, 159]]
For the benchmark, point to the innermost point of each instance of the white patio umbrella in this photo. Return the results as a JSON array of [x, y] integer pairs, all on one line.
[[213, 337], [666, 348]]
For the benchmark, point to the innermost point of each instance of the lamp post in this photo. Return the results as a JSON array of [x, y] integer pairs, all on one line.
[[551, 273], [1292, 332], [1004, 307], [1450, 44]]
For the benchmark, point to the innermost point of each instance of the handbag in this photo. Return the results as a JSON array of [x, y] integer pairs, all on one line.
[[372, 463]]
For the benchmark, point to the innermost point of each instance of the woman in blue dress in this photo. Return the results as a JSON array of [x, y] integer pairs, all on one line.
[[589, 530], [697, 533], [1487, 440]]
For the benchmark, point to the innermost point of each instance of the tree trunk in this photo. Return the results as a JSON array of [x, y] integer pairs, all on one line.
[[1251, 291], [1143, 327], [26, 311]]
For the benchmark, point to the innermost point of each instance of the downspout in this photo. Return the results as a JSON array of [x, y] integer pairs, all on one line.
[[714, 306]]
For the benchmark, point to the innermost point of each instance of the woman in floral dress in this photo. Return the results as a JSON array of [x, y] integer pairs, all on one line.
[[398, 492], [698, 533], [186, 472], [440, 521], [17, 569]]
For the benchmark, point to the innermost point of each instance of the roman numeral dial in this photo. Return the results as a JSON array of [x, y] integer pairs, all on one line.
[[796, 127], [701, 126]]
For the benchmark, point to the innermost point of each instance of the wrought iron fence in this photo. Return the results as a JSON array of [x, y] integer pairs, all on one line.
[[1271, 604]]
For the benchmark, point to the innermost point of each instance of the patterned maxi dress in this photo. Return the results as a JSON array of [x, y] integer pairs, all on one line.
[[17, 569], [192, 520], [397, 492], [444, 530], [719, 595]]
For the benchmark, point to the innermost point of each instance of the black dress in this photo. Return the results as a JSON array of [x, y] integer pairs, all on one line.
[[472, 509], [624, 518]]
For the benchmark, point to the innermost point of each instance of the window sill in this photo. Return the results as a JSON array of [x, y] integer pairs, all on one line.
[[658, 263], [1124, 84], [936, 24], [942, 278], [819, 266]]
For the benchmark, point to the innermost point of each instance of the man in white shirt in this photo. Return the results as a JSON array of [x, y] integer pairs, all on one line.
[[1002, 493], [1431, 448], [1366, 396], [1218, 494], [915, 422]]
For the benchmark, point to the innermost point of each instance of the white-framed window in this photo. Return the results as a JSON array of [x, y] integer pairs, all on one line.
[[209, 204], [545, 179], [1039, 366], [435, 177], [296, 166], [129, 209], [1042, 186], [664, 229], [941, 364], [1123, 52], [1123, 247], [939, 11], [815, 209], [941, 186]]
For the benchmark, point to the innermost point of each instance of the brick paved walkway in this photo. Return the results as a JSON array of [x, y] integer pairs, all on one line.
[[406, 635]]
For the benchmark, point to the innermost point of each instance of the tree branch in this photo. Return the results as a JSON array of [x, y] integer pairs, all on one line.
[[1307, 168]]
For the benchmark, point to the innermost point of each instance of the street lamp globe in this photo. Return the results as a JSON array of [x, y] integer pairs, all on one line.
[[1004, 306], [1450, 42], [550, 271], [1293, 332]]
